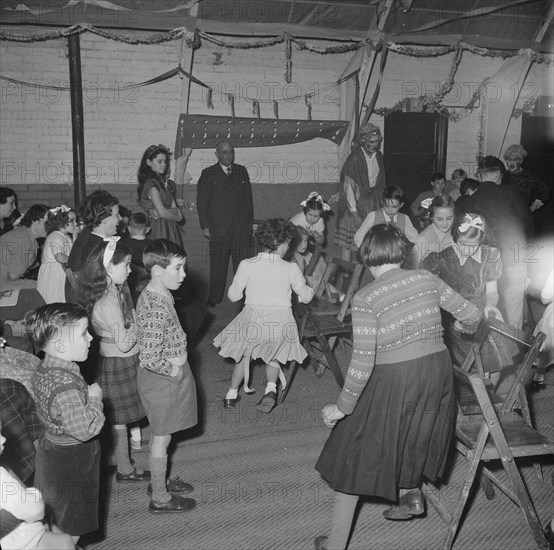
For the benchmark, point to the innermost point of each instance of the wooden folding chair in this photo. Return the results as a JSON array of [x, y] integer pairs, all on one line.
[[496, 433], [321, 323]]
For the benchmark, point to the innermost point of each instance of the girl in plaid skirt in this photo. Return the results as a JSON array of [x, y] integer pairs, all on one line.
[[265, 328], [105, 294]]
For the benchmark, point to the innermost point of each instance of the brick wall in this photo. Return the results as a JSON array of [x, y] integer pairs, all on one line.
[[35, 126]]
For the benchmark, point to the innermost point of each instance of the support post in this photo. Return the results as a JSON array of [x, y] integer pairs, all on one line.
[[77, 119]]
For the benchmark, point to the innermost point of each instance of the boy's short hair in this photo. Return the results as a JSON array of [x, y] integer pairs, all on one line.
[[161, 252], [393, 192], [139, 220], [459, 173], [469, 184], [44, 323]]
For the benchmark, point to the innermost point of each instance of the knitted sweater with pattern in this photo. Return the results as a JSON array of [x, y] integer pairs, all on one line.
[[397, 318]]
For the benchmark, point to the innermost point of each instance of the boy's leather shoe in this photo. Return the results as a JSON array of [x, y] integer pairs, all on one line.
[[133, 477], [175, 505]]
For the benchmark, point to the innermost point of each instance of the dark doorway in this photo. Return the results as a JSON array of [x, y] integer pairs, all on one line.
[[415, 148]]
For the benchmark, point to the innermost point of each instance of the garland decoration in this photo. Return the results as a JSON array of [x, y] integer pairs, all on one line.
[[288, 59]]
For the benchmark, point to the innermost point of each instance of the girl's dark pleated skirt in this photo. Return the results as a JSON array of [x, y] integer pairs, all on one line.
[[399, 432]]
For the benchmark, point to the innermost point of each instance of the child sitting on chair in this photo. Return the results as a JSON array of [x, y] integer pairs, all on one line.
[[312, 217]]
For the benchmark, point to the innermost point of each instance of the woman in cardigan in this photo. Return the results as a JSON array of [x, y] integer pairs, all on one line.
[[394, 418]]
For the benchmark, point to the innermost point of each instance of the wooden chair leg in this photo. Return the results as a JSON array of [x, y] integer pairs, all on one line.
[[464, 493]]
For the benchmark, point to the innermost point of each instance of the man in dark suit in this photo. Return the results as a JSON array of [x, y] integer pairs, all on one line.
[[226, 214], [510, 226]]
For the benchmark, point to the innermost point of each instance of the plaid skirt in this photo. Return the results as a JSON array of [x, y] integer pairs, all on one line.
[[270, 334], [117, 376]]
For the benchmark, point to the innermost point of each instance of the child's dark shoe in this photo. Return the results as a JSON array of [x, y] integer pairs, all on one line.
[[133, 477], [409, 504], [231, 403], [174, 485], [175, 504], [267, 402]]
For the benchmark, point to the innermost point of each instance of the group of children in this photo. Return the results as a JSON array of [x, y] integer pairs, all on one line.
[[143, 368], [142, 371]]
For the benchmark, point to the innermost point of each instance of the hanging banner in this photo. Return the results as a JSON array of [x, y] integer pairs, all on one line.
[[204, 132]]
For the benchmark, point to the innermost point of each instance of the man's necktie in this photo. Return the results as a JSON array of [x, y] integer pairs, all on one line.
[[228, 170]]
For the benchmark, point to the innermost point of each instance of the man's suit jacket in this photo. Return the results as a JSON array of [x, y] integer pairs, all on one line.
[[224, 202]]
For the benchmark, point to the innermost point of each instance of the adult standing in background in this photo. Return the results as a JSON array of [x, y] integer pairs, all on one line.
[[362, 184], [534, 192], [511, 226], [226, 215]]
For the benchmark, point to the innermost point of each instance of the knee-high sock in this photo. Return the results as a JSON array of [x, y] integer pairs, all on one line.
[[343, 514], [121, 449], [158, 473]]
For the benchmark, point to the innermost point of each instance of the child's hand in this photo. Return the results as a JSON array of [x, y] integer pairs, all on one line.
[[177, 372], [331, 415], [494, 312], [94, 390]]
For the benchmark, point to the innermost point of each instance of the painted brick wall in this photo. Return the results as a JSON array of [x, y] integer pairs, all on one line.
[[35, 129]]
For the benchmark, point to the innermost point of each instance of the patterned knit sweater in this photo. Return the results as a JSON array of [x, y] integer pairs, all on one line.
[[397, 318], [63, 405]]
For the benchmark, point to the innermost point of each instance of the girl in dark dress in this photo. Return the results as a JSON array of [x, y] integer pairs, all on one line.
[[157, 195], [394, 417], [472, 268]]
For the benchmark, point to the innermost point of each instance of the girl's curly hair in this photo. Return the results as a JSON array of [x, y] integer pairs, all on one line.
[[273, 233]]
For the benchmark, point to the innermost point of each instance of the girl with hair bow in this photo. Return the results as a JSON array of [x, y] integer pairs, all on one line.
[[104, 293], [312, 216], [472, 268], [60, 225]]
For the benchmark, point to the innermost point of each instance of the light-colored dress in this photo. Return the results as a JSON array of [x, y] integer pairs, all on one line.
[[265, 328], [51, 275]]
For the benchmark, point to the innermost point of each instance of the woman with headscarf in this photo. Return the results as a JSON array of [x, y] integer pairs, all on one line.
[[362, 184]]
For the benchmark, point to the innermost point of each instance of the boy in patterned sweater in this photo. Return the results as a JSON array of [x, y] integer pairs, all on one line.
[[165, 382], [68, 455]]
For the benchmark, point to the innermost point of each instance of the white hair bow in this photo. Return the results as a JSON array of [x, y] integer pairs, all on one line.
[[477, 222], [109, 251], [63, 208], [426, 203], [315, 195]]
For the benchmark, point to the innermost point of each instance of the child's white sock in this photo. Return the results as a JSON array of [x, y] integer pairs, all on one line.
[[271, 386], [135, 433], [232, 394]]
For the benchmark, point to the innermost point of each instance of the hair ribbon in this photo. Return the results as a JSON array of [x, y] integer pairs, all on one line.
[[477, 222], [315, 195], [109, 251], [426, 203], [63, 208]]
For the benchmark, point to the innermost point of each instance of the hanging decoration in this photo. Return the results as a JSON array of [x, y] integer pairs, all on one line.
[[308, 101], [204, 131]]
